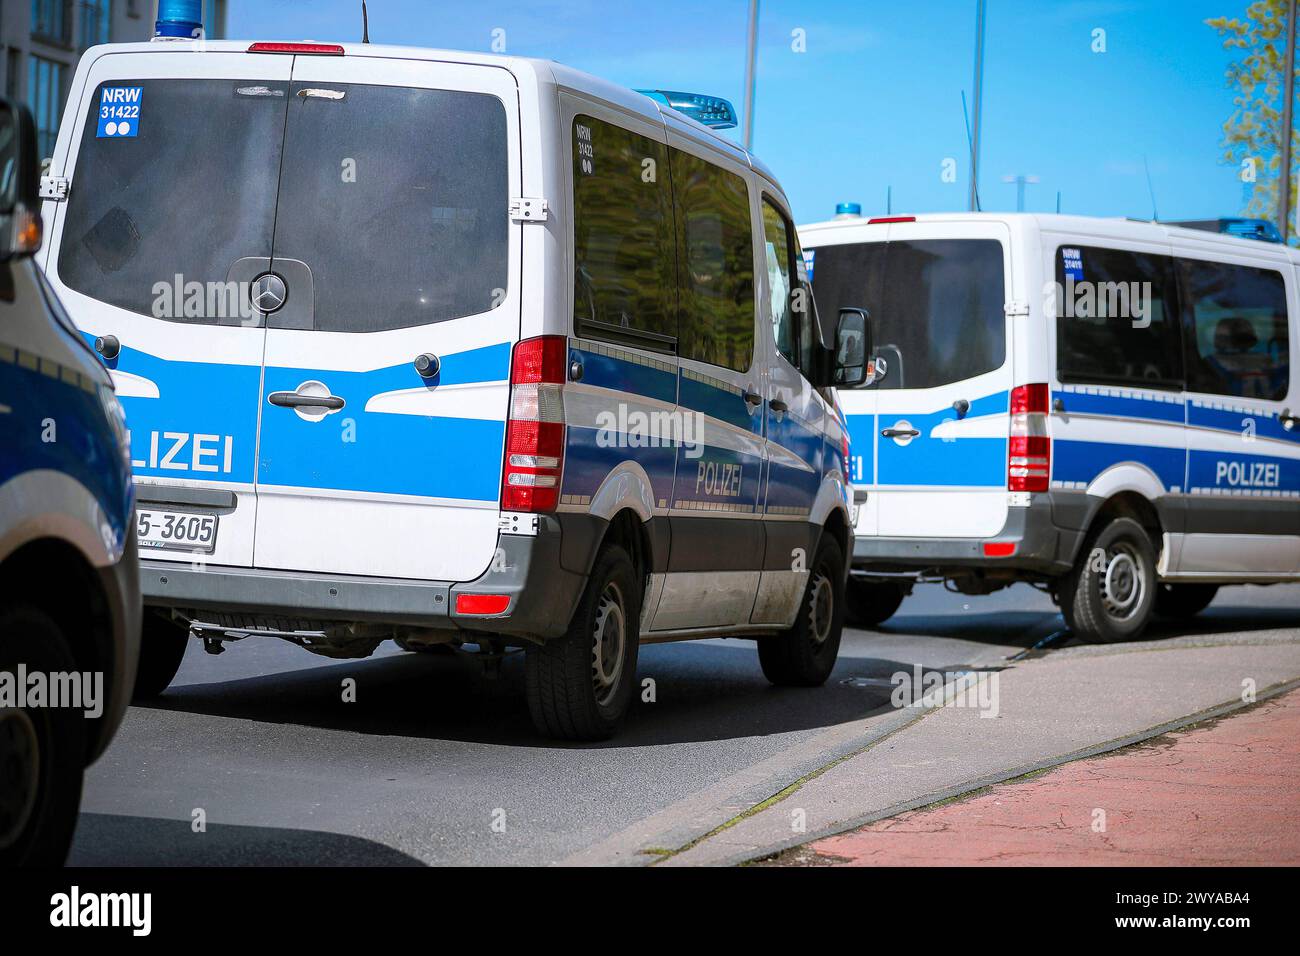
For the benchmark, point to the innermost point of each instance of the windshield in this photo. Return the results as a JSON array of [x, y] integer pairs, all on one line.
[[936, 305]]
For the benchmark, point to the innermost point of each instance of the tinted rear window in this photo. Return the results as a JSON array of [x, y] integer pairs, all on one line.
[[189, 194], [397, 200], [937, 305]]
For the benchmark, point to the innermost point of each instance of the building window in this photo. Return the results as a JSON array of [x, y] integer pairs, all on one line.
[[96, 22], [45, 95], [51, 21]]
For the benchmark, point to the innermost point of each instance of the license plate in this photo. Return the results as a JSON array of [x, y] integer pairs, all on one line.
[[176, 530]]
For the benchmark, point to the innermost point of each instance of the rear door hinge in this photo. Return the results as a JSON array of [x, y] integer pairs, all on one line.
[[55, 187], [1016, 308], [528, 209]]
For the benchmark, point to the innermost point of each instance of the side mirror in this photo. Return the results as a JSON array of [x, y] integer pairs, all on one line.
[[853, 348], [21, 229]]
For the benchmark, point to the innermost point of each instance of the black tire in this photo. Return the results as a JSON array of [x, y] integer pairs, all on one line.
[[804, 655], [162, 648], [872, 602], [42, 749], [581, 686], [1110, 594], [1183, 601]]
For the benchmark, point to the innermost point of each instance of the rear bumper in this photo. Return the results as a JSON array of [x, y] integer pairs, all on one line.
[[528, 569], [1039, 545]]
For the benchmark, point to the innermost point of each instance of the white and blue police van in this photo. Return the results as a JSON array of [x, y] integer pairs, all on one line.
[[1103, 408], [69, 586], [452, 348]]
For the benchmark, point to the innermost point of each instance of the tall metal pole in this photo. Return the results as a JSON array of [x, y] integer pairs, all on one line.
[[1288, 98], [975, 108], [750, 61]]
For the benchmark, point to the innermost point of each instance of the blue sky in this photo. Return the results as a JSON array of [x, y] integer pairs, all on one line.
[[875, 100]]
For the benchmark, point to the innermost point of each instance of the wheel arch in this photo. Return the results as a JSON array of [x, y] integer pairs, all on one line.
[[53, 576]]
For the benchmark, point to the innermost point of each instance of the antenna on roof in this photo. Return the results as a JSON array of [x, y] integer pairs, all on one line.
[[975, 186], [1155, 216], [365, 23]]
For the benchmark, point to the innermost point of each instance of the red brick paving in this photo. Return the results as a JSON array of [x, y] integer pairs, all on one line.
[[1224, 793]]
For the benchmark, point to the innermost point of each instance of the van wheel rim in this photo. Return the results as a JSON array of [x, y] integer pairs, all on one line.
[[822, 609], [20, 768], [1123, 585], [609, 646]]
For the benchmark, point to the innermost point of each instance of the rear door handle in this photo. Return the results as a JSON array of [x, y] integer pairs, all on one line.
[[752, 398], [777, 405], [899, 433], [297, 400]]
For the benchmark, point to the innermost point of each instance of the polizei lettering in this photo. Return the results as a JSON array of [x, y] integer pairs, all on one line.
[[718, 479], [1248, 474]]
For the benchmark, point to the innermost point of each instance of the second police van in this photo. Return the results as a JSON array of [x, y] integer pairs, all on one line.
[[1104, 408], [450, 348]]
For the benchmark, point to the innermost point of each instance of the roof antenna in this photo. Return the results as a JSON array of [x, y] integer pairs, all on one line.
[[1155, 216], [365, 23], [970, 142]]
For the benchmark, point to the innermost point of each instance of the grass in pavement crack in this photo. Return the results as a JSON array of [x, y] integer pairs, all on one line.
[[780, 795]]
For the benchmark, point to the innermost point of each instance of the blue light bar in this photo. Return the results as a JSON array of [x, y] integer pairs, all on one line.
[[848, 209], [1261, 229], [712, 111], [182, 19]]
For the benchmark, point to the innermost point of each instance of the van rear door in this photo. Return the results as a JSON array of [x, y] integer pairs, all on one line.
[[392, 241], [941, 412], [173, 180]]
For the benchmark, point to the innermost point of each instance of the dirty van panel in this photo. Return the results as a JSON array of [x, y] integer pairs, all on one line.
[[393, 241], [170, 214]]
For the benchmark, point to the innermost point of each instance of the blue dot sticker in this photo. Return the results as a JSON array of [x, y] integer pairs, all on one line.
[[119, 111]]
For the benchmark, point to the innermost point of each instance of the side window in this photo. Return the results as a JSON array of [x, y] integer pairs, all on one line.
[[715, 238], [625, 284], [1116, 320], [780, 282], [793, 318], [1237, 337]]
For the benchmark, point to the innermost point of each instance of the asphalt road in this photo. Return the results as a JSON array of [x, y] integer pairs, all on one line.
[[435, 763]]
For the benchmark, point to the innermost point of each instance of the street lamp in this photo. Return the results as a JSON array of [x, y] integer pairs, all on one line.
[[1021, 182]]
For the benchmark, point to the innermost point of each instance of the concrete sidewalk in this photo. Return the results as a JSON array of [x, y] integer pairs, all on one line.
[[1222, 793], [1074, 703]]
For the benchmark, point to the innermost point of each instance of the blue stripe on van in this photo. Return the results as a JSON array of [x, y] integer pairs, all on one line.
[[929, 462], [723, 402], [1242, 474], [1265, 424], [381, 453], [1138, 407], [1082, 461], [626, 376], [587, 464]]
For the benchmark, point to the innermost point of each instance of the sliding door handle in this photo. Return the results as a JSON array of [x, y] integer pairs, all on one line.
[[298, 400]]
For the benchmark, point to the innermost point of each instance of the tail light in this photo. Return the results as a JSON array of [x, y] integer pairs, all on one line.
[[1029, 451], [535, 430]]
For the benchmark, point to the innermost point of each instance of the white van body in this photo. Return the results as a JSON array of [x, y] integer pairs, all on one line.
[[402, 220], [1149, 363]]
